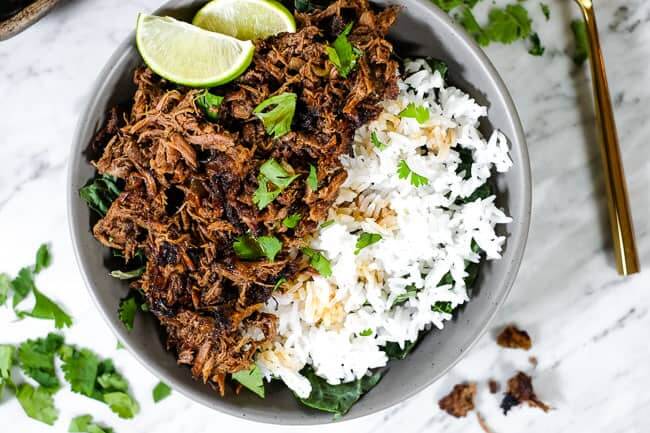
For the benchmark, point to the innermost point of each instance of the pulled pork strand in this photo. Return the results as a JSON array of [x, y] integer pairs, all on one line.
[[189, 182]]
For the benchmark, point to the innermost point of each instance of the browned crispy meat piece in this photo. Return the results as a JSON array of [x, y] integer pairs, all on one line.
[[189, 182], [514, 338], [520, 390], [493, 386], [460, 400]]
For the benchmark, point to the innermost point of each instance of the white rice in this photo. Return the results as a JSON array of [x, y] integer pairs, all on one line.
[[425, 236]]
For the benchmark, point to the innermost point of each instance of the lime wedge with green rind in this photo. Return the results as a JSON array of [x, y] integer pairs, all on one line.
[[188, 55], [245, 19]]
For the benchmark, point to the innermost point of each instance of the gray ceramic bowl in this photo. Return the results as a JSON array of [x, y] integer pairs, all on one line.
[[421, 29]]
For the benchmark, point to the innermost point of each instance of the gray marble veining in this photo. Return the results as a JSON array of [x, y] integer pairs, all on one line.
[[589, 326]]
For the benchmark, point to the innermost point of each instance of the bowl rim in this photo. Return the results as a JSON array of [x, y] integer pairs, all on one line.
[[519, 246]]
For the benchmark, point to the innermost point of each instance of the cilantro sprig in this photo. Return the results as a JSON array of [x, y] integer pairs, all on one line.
[[417, 112], [318, 261], [292, 220], [251, 379], [160, 392], [271, 172], [366, 239], [343, 54], [248, 247], [209, 103]]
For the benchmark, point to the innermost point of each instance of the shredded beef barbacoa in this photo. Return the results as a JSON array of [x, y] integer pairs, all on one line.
[[189, 182]]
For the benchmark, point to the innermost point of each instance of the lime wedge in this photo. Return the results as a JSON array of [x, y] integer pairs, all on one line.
[[245, 19], [188, 55]]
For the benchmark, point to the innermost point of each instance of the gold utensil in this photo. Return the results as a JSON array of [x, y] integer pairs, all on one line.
[[627, 260]]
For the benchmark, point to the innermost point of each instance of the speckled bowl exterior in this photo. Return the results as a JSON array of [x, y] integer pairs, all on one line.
[[422, 29]]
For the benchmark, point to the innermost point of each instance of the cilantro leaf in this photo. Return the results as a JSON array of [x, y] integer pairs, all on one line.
[[579, 30], [262, 197], [45, 308], [113, 381], [37, 403], [403, 172], [80, 367], [36, 358], [126, 311], [438, 65], [279, 283], [536, 48], [342, 54], [366, 239], [43, 258], [545, 10], [410, 292], [376, 142], [161, 392], [337, 399], [312, 178], [210, 104], [127, 275], [394, 351], [417, 112], [318, 261], [100, 193], [251, 379], [22, 285], [292, 220], [277, 121], [469, 23], [85, 424], [508, 24], [5, 284], [366, 333], [6, 362], [248, 247], [326, 224], [443, 307], [276, 174], [122, 404], [480, 193]]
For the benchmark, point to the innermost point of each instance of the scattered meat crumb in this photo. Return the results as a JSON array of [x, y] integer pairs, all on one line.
[[533, 361], [482, 423], [494, 386], [520, 390], [460, 400], [514, 338]]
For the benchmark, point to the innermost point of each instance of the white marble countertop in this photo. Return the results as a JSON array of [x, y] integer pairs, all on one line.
[[589, 326]]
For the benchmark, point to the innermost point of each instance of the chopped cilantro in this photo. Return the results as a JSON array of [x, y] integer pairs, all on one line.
[[248, 247], [438, 65], [292, 220], [122, 404], [127, 275], [318, 261], [5, 285], [545, 10], [37, 403], [80, 367], [326, 224], [6, 362], [36, 358], [43, 258], [448, 5], [410, 292], [85, 424], [277, 174], [579, 30], [536, 49], [22, 285], [251, 379], [366, 239], [417, 112], [210, 104], [508, 24], [469, 23], [262, 197], [45, 308], [126, 311], [480, 193], [342, 54], [394, 351], [114, 381], [443, 307], [403, 172], [376, 142], [161, 391], [312, 178], [365, 333], [277, 121]]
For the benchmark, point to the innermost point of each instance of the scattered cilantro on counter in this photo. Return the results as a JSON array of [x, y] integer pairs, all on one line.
[[37, 403], [36, 358], [581, 52], [160, 392], [85, 424]]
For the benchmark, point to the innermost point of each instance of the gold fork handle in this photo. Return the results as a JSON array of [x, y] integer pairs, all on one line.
[[627, 261]]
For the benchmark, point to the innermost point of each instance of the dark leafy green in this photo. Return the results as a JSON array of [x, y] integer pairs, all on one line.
[[36, 358], [100, 192], [394, 351], [536, 48], [22, 285], [443, 307], [336, 399], [480, 193], [43, 258], [126, 311], [545, 10], [438, 65], [251, 379]]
